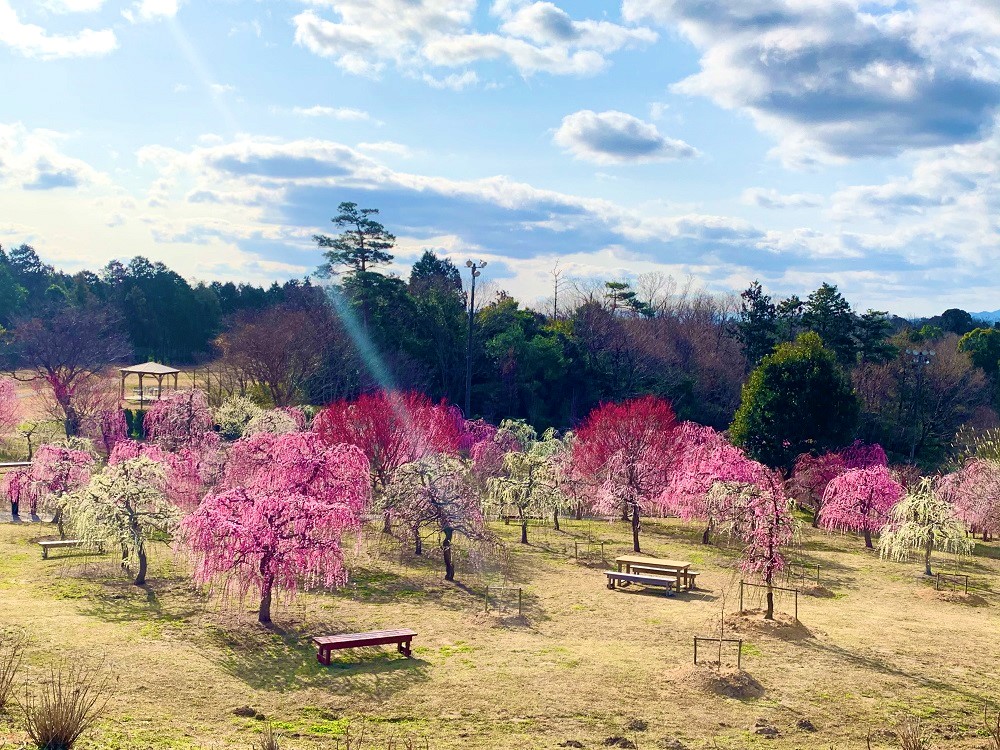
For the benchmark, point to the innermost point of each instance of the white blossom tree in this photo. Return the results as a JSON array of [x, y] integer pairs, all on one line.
[[923, 520], [125, 505]]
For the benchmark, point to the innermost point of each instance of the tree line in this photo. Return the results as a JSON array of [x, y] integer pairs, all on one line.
[[908, 385]]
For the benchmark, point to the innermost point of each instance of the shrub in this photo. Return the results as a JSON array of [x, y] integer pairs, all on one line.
[[234, 415], [268, 740], [67, 705], [11, 652]]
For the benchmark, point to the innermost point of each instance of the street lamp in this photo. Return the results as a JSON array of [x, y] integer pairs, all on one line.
[[475, 273], [920, 358]]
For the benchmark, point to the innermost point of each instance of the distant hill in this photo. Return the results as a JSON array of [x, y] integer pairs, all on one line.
[[989, 317]]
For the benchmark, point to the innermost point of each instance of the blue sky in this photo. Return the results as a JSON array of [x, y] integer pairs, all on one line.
[[793, 141]]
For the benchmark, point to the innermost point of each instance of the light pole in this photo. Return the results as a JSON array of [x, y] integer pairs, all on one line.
[[920, 358], [474, 271]]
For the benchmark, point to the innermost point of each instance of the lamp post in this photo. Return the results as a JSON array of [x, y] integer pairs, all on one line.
[[475, 273], [920, 358]]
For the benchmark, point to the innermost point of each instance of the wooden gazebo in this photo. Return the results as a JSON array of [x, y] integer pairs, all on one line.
[[152, 370]]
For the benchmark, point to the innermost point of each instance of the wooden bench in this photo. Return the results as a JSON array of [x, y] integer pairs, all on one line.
[[328, 643], [667, 582], [689, 576], [47, 544]]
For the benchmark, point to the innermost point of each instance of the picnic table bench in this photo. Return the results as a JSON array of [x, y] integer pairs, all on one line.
[[328, 643], [47, 544], [680, 569], [669, 583]]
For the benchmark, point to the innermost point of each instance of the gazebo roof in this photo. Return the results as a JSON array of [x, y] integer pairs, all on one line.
[[150, 368]]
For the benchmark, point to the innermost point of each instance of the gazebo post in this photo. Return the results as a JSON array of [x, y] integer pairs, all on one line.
[[122, 397], [142, 393], [159, 387]]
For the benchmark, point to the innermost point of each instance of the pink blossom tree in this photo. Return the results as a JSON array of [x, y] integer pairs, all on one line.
[[277, 520], [181, 420], [707, 472], [20, 489], [188, 473], [110, 428], [11, 412], [626, 451], [812, 474], [974, 490], [860, 500], [440, 493], [57, 471], [765, 526]]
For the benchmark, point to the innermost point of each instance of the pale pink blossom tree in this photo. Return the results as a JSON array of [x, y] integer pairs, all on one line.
[[188, 473], [626, 452], [812, 474], [974, 490], [709, 473], [277, 520], [438, 492], [765, 526], [181, 420], [11, 412], [860, 500]]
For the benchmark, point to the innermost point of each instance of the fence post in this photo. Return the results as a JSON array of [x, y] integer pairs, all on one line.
[[519, 602], [741, 596], [739, 655], [576, 550], [967, 584], [603, 558], [696, 650], [937, 583], [796, 605], [487, 599]]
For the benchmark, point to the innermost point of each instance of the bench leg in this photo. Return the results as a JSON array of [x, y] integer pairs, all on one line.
[[323, 657], [45, 553], [404, 649], [611, 584]]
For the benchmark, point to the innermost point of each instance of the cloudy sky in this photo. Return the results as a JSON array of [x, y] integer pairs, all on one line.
[[793, 141]]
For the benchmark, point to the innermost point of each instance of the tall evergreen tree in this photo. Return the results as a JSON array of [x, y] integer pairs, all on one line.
[[363, 243]]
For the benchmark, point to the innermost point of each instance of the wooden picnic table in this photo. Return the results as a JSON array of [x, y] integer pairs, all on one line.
[[677, 568]]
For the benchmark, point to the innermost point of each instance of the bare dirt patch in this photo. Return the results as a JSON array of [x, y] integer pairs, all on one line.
[[708, 678], [782, 626], [821, 592], [954, 597]]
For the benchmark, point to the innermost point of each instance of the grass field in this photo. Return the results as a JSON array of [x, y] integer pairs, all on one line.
[[581, 665]]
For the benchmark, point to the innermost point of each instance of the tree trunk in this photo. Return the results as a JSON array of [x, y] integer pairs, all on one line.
[[555, 519], [13, 508], [707, 533], [769, 612], [449, 564], [635, 528], [264, 612], [140, 576], [927, 554], [418, 543], [57, 519], [524, 531], [579, 511], [868, 539], [386, 524]]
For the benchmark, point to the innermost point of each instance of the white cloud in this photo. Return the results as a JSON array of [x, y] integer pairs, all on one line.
[[455, 81], [151, 10], [386, 147], [771, 198], [414, 33], [838, 79], [73, 6], [617, 138], [31, 40], [33, 160], [336, 113], [221, 88]]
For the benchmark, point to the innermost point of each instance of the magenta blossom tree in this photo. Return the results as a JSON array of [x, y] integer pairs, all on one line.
[[812, 474], [277, 520], [11, 412], [861, 501], [20, 490], [188, 473]]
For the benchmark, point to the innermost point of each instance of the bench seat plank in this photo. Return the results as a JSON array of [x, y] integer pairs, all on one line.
[[667, 582], [328, 643]]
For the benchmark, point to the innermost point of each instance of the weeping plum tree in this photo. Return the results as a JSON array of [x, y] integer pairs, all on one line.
[[58, 470], [812, 474], [11, 412], [277, 519], [860, 500], [20, 489], [182, 420], [390, 429], [126, 504], [923, 520], [975, 492], [625, 452], [708, 469], [528, 484], [765, 526], [439, 492]]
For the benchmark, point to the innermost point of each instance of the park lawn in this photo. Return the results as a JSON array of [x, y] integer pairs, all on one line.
[[582, 664]]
